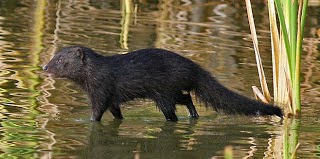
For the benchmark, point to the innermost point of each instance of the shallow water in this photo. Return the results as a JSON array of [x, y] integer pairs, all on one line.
[[43, 117]]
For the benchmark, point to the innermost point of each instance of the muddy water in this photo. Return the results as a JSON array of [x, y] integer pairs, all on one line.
[[43, 117]]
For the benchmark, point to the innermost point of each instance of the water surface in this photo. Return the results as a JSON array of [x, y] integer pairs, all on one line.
[[43, 117]]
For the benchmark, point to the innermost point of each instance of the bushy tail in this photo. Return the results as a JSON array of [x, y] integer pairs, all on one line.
[[215, 95]]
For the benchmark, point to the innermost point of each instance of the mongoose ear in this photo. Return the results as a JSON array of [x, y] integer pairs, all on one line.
[[80, 53]]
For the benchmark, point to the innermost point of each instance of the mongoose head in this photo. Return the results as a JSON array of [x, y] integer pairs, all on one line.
[[67, 63]]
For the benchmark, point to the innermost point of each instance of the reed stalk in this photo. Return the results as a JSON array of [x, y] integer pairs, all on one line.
[[228, 152], [126, 10], [286, 45], [292, 14]]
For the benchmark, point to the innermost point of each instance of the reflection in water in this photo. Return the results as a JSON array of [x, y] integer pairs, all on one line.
[[48, 118], [168, 140], [20, 127]]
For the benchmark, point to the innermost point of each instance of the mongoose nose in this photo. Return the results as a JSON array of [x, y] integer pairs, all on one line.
[[45, 68]]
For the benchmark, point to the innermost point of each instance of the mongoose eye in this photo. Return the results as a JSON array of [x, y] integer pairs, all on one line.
[[58, 61]]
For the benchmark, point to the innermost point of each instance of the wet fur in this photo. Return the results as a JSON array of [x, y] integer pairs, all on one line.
[[157, 74]]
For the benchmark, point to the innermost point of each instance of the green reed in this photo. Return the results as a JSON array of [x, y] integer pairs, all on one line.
[[291, 14]]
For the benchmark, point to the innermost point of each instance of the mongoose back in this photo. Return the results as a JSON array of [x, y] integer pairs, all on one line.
[[160, 75]]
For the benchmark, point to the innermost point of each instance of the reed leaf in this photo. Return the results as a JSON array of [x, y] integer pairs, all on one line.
[[293, 33], [259, 95], [296, 81], [294, 153], [262, 77], [274, 46], [284, 32]]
